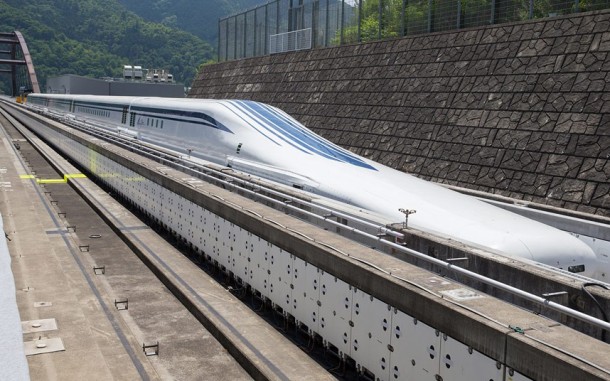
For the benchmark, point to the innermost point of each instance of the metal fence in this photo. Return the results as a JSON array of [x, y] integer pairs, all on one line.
[[285, 42], [337, 22]]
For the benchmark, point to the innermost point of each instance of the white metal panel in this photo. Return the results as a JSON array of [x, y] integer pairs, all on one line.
[[240, 249], [213, 231], [142, 191], [204, 231], [280, 276], [198, 227], [306, 293], [178, 214], [241, 254], [151, 197], [335, 312], [258, 276], [179, 218], [168, 208], [221, 230], [164, 208], [190, 225], [157, 200], [416, 349], [371, 333], [227, 239], [461, 363]]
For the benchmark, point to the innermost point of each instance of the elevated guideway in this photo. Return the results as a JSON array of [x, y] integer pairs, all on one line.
[[373, 310]]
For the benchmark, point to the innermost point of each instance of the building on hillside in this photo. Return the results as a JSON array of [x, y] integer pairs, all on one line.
[[74, 84]]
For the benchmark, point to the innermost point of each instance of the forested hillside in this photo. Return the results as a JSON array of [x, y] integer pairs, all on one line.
[[96, 37], [199, 17]]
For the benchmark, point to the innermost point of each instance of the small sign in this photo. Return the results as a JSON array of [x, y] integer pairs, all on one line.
[[462, 294]]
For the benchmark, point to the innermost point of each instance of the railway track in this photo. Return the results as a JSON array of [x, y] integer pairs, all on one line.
[[183, 285], [117, 267]]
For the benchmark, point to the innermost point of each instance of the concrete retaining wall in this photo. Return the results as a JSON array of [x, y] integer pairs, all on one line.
[[519, 110]]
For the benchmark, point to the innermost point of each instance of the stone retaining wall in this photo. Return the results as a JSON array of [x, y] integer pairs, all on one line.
[[520, 110]]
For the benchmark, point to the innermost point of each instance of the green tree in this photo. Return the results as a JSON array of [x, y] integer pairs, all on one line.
[[95, 38]]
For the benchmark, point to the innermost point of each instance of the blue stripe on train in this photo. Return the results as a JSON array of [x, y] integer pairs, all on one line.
[[295, 134]]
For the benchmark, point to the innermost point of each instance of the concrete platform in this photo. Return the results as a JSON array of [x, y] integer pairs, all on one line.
[[53, 247], [150, 312]]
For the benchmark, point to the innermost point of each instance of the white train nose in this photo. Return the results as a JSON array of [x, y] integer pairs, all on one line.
[[554, 248]]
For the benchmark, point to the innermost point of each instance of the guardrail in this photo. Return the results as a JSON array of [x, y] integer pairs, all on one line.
[[289, 202]]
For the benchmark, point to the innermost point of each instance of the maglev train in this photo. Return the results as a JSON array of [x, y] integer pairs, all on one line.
[[266, 142]]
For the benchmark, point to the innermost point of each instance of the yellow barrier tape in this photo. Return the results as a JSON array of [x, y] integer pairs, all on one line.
[[55, 181], [75, 176]]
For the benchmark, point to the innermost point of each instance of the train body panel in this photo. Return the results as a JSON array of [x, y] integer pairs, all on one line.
[[266, 142]]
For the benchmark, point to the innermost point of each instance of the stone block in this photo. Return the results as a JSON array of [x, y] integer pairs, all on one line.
[[604, 125], [600, 24], [538, 121], [570, 190], [519, 161], [577, 123], [601, 197], [591, 61], [597, 103], [535, 48], [597, 170], [519, 110], [552, 83], [591, 146], [562, 27], [470, 118], [496, 35], [566, 102], [519, 84], [454, 68], [562, 165], [529, 101]]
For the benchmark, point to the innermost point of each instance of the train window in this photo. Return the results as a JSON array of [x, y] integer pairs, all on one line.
[[124, 116]]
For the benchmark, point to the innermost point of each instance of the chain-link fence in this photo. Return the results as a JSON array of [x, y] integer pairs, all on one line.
[[337, 22]]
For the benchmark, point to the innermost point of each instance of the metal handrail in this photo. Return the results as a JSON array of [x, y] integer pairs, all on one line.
[[231, 183]]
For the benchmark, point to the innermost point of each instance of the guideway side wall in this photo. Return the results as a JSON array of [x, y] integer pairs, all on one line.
[[520, 110], [394, 324]]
